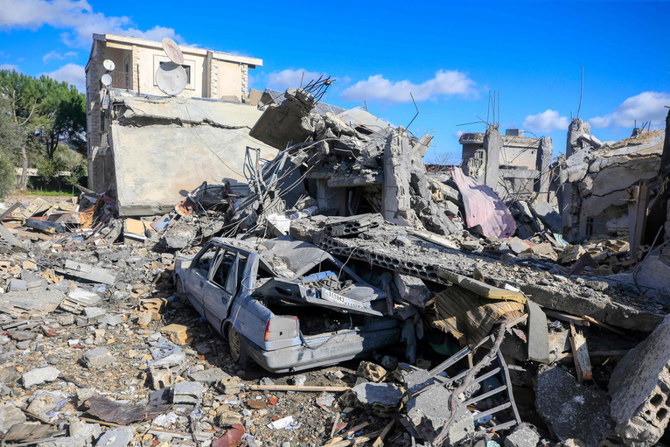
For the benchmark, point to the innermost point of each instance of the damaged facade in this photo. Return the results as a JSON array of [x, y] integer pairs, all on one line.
[[210, 74], [513, 165]]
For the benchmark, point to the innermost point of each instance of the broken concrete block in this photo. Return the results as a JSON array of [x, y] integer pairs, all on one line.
[[371, 371], [94, 312], [90, 272], [188, 393], [177, 333], [116, 437], [10, 414], [412, 289], [17, 285], [517, 245], [573, 410], [38, 376], [571, 253], [640, 389], [523, 436], [229, 385], [428, 412], [98, 358], [209, 376], [381, 398], [545, 250]]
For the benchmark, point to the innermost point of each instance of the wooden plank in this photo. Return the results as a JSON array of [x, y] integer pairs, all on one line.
[[379, 442], [538, 334], [581, 355], [316, 389], [481, 288]]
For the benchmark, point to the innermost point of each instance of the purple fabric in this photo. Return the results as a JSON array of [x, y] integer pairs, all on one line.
[[483, 207]]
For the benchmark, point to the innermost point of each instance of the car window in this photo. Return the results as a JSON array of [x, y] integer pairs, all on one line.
[[221, 273], [226, 276], [205, 261]]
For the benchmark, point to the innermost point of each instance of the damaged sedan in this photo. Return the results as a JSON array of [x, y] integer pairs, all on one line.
[[286, 304]]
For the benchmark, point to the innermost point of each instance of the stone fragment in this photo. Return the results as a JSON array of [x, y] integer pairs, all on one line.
[[116, 437], [44, 401], [188, 393], [17, 285], [94, 312], [371, 371], [384, 393], [544, 249], [10, 414], [640, 389], [412, 289], [111, 320], [523, 436], [517, 245], [209, 376], [573, 410], [177, 333], [98, 358], [571, 253], [228, 418], [38, 376]]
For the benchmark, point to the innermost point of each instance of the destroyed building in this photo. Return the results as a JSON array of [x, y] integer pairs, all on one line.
[[600, 182], [289, 237], [210, 74], [513, 165]]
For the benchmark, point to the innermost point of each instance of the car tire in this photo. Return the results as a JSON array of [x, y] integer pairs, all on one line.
[[237, 350]]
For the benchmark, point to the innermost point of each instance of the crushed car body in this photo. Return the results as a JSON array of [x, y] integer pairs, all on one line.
[[286, 304]]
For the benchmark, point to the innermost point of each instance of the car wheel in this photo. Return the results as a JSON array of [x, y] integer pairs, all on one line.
[[237, 350]]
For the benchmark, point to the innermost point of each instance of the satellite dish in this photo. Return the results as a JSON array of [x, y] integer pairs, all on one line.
[[171, 78], [109, 65], [172, 50], [106, 79]]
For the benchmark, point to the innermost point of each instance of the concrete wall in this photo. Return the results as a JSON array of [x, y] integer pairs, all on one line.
[[515, 167]]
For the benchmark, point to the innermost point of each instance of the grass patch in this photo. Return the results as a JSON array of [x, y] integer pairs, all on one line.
[[35, 192]]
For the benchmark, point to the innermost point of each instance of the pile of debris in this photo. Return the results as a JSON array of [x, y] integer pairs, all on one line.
[[497, 330]]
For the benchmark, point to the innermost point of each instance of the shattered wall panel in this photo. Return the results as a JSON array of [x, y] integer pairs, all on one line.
[[153, 164]]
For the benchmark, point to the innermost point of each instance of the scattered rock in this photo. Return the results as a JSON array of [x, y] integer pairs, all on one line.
[[39, 376]]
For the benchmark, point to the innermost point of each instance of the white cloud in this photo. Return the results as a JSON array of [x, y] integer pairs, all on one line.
[[647, 106], [58, 56], [9, 67], [445, 83], [546, 122], [74, 15], [72, 74], [290, 78]]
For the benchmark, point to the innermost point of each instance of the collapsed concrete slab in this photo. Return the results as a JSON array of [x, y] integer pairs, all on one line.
[[573, 410], [640, 389], [425, 260], [149, 178]]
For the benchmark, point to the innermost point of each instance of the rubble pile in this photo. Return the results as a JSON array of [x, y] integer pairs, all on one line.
[[347, 295]]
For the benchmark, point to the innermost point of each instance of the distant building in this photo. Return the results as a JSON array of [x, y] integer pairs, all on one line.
[[210, 74], [514, 166]]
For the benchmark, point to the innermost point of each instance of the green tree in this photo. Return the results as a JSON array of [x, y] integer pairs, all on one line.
[[12, 139], [47, 111]]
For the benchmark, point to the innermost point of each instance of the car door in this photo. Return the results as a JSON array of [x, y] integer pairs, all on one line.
[[197, 275], [221, 287]]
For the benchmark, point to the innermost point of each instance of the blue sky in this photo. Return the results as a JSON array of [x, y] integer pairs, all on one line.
[[448, 54]]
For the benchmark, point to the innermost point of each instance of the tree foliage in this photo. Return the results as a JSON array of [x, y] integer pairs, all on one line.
[[48, 113]]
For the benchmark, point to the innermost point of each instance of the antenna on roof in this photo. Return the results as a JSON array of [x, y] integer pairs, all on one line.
[[171, 78], [173, 51]]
